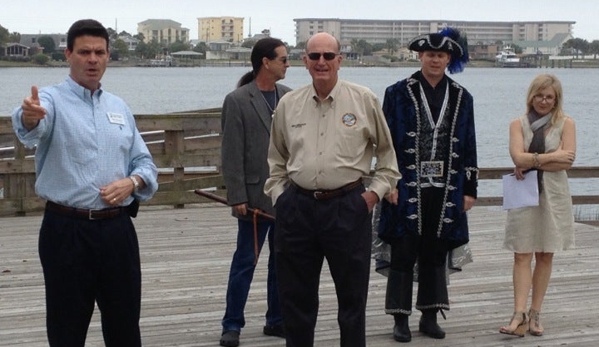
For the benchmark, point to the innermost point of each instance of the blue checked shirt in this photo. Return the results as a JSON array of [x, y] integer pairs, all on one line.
[[85, 142]]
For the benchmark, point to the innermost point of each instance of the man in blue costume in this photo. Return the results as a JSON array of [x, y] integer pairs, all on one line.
[[431, 119]]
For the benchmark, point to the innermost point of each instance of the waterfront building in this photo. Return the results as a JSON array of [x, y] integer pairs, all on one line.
[[14, 50], [220, 29], [164, 31], [551, 47], [131, 42], [262, 35], [31, 41], [478, 32]]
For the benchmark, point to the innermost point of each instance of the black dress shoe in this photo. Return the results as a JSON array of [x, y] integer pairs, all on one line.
[[274, 330], [230, 339], [429, 327]]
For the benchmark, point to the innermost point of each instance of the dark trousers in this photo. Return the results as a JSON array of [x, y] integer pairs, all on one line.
[[308, 231], [86, 262], [242, 272], [431, 254]]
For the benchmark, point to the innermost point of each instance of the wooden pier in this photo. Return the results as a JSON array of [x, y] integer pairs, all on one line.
[[186, 255], [186, 249]]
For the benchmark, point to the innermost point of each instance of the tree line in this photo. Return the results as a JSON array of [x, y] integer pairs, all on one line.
[[578, 46], [153, 49], [118, 47]]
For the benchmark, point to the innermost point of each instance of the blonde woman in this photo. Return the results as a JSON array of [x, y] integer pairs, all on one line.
[[543, 139]]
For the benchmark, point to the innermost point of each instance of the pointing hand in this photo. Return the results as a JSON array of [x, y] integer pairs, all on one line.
[[33, 112]]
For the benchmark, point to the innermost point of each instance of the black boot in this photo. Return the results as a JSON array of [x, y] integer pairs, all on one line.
[[398, 302], [401, 330], [428, 325]]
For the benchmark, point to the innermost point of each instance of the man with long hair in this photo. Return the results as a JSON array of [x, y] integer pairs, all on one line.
[[246, 119]]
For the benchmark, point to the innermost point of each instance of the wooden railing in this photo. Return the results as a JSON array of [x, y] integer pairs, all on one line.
[[181, 144], [574, 172]]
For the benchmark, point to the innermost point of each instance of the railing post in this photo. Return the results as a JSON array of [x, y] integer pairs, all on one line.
[[19, 181], [174, 147]]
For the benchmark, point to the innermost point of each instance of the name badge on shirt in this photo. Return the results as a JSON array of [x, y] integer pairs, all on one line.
[[431, 169], [116, 118]]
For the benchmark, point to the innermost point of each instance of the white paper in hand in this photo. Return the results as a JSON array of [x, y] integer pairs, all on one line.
[[520, 193]]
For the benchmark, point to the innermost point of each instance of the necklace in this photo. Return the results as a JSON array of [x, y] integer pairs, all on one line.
[[271, 106]]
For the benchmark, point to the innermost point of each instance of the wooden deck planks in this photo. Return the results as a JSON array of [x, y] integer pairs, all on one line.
[[185, 262]]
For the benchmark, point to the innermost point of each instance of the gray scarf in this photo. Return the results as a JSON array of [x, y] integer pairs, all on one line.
[[538, 125]]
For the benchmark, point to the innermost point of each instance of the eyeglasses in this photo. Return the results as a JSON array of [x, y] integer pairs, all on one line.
[[547, 98], [326, 55], [282, 59]]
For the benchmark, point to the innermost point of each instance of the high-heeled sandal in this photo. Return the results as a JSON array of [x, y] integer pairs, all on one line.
[[520, 330], [535, 327]]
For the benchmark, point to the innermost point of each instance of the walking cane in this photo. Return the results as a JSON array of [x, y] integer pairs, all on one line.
[[256, 212]]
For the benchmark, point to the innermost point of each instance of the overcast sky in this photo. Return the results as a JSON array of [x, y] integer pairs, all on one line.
[[45, 16]]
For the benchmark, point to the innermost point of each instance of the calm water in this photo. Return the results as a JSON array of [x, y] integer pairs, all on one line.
[[498, 97]]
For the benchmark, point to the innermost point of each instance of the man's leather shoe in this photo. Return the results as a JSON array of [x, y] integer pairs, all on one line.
[[274, 330], [230, 339]]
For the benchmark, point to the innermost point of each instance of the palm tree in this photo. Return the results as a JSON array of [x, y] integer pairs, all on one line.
[[594, 48], [577, 45], [391, 45]]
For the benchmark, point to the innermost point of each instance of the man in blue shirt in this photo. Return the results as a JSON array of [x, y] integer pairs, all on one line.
[[92, 167]]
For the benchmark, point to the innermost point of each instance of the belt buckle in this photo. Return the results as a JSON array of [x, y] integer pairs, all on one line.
[[91, 214], [317, 193]]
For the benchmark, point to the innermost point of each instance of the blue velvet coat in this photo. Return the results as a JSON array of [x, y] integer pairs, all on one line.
[[402, 108]]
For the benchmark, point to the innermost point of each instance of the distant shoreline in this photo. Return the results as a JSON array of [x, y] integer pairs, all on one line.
[[580, 63]]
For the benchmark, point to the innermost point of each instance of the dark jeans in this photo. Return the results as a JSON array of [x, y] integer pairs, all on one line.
[[87, 262], [308, 231], [242, 272]]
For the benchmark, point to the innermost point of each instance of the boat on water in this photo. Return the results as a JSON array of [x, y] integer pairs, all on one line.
[[507, 58]]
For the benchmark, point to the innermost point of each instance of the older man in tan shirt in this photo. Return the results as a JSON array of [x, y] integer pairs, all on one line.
[[324, 137]]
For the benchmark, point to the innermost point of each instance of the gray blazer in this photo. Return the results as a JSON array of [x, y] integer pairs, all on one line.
[[246, 120]]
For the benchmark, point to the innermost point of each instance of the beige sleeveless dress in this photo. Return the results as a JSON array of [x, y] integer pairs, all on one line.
[[548, 227]]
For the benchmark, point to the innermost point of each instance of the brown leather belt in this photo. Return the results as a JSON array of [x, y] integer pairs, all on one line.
[[324, 194], [106, 213]]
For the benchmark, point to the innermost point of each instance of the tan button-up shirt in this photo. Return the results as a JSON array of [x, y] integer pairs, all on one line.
[[326, 144]]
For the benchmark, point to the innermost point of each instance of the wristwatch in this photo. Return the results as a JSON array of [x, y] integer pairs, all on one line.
[[135, 184]]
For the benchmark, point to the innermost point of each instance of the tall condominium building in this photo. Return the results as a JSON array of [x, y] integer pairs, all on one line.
[[220, 28], [164, 31], [379, 31]]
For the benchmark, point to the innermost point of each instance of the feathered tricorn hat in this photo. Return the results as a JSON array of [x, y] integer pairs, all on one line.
[[449, 40]]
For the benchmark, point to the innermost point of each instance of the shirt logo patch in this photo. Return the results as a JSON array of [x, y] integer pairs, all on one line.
[[349, 119], [298, 126]]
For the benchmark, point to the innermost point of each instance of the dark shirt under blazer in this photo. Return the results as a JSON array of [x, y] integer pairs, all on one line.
[[246, 121]]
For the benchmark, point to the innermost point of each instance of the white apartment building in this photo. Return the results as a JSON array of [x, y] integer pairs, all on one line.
[[164, 31], [379, 31]]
